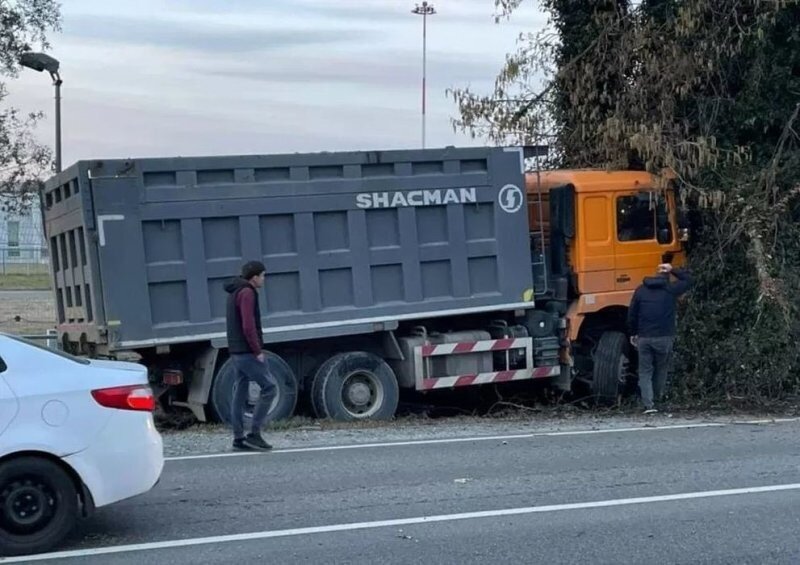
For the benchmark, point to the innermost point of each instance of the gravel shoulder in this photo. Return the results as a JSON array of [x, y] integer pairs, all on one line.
[[209, 439]]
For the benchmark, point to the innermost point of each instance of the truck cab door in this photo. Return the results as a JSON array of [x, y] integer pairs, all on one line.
[[594, 259], [644, 234]]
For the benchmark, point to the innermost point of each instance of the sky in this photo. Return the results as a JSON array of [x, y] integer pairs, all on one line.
[[205, 77]]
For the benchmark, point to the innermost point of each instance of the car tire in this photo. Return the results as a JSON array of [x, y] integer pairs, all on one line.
[[282, 407], [38, 505], [355, 386]]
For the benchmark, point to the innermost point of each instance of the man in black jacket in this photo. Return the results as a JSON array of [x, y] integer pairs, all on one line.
[[244, 344], [651, 319]]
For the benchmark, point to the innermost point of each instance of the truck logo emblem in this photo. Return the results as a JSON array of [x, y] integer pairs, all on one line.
[[510, 198], [435, 197]]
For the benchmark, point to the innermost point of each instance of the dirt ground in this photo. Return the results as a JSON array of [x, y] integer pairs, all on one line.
[[26, 311]]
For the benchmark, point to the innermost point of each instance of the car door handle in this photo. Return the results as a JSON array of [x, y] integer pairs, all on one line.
[[623, 279]]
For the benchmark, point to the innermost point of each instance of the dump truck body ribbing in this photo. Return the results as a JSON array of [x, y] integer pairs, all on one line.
[[353, 242]]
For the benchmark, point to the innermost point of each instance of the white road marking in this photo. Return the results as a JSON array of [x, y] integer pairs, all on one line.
[[171, 544], [449, 440], [768, 421]]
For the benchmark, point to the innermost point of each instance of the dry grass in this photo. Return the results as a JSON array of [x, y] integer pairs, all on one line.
[[19, 281]]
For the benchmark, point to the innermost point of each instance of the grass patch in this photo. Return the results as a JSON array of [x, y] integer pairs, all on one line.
[[16, 281]]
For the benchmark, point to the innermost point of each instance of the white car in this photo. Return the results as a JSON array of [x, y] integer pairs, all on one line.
[[74, 435]]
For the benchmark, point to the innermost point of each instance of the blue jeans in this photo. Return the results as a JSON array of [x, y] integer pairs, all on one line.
[[249, 368], [654, 357]]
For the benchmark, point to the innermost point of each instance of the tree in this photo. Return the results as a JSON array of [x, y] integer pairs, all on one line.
[[24, 25], [710, 90]]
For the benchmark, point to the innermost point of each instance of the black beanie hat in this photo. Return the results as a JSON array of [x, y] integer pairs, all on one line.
[[252, 269]]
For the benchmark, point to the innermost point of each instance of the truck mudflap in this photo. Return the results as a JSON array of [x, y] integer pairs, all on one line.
[[425, 381]]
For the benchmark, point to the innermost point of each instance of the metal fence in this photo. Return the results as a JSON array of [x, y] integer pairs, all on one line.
[[24, 260], [47, 339]]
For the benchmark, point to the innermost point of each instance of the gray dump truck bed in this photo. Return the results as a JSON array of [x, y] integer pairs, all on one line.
[[353, 242]]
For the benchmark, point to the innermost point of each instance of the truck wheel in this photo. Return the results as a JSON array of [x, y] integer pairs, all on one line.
[[355, 386], [38, 505], [611, 366], [282, 406], [316, 394]]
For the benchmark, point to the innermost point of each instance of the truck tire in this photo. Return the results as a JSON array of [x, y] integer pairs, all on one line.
[[40, 502], [610, 371], [316, 395], [355, 386], [282, 407]]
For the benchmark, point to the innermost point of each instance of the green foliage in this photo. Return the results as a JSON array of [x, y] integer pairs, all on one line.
[[24, 25], [708, 89]]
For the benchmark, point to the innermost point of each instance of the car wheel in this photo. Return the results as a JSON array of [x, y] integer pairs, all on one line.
[[282, 406], [38, 505]]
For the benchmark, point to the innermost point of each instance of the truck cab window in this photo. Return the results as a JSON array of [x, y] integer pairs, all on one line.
[[643, 217]]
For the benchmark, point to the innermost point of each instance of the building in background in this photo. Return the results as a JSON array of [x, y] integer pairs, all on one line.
[[23, 246]]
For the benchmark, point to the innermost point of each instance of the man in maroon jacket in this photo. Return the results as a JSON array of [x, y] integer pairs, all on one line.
[[244, 345]]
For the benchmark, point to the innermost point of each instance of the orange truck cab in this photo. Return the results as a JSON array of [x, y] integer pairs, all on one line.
[[596, 235]]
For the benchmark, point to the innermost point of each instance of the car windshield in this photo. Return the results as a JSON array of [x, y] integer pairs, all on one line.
[[32, 343]]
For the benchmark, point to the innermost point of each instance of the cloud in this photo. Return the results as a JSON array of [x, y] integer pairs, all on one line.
[[375, 11], [217, 38], [166, 77], [386, 69]]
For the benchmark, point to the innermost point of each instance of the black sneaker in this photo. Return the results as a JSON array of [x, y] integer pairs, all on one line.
[[240, 445], [255, 441]]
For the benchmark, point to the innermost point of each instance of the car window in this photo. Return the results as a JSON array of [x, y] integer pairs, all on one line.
[[55, 352]]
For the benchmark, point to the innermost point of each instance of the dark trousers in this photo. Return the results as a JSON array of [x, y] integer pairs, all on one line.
[[654, 357], [249, 368]]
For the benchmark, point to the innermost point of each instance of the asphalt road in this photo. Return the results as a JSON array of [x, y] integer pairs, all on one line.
[[728, 494]]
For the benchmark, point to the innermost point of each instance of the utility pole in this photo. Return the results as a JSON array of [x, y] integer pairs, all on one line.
[[425, 9]]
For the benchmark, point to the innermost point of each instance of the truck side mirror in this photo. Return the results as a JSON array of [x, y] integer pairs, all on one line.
[[683, 221], [683, 225]]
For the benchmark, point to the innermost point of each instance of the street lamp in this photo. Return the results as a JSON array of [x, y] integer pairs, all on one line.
[[43, 62], [425, 9]]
